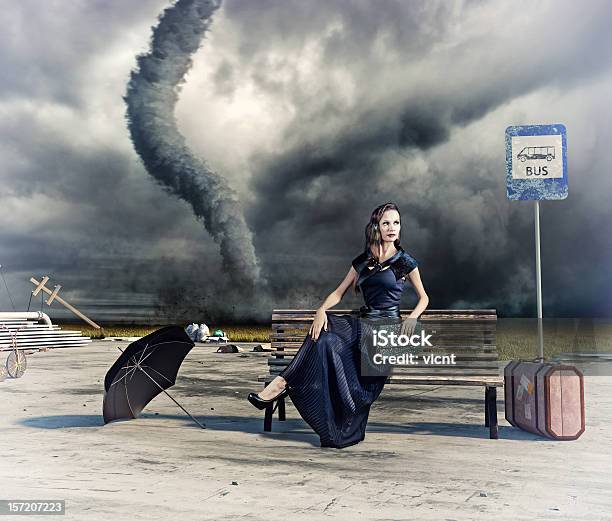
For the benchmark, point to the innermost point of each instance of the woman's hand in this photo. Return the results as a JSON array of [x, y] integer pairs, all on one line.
[[408, 326], [319, 322]]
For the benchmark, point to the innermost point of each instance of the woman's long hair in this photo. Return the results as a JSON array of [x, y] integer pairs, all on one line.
[[373, 238]]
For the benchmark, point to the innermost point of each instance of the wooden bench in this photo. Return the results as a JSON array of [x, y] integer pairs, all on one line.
[[469, 333]]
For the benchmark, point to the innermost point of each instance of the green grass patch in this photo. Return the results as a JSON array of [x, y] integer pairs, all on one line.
[[254, 333], [517, 338]]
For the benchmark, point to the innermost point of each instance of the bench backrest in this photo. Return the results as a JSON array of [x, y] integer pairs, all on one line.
[[467, 333]]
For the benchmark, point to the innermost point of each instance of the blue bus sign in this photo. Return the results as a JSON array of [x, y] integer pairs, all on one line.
[[536, 162]]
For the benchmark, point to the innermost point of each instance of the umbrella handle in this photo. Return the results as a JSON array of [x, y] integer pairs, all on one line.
[[183, 408]]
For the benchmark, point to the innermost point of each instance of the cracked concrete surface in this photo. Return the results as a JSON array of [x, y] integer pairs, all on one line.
[[426, 455]]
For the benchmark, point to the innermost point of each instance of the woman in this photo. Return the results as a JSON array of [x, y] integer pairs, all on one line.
[[324, 379]]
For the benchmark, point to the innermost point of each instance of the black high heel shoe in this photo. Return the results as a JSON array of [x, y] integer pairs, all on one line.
[[261, 404]]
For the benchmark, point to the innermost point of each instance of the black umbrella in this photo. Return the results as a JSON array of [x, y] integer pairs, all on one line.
[[146, 368]]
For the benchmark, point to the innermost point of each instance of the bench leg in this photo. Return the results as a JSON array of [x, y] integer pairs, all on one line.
[[491, 399], [281, 410], [486, 400]]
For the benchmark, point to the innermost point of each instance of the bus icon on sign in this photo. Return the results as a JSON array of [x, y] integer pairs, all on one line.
[[547, 153]]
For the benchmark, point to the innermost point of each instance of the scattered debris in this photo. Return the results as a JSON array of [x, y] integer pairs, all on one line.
[[197, 333], [228, 348], [201, 333], [21, 335], [476, 493], [217, 337], [40, 286]]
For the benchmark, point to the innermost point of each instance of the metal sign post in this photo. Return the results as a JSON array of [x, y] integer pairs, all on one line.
[[539, 282], [536, 170]]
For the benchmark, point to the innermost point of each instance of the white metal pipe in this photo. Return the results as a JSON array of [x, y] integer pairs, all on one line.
[[26, 315]]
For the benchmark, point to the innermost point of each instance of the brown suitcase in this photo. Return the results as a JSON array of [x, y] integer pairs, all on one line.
[[545, 398]]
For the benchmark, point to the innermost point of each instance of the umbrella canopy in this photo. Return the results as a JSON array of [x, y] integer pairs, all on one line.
[[146, 368]]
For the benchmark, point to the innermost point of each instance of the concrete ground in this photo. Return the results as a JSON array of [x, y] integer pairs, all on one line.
[[426, 454]]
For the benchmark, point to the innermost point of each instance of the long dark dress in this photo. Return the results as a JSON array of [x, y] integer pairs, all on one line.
[[326, 385]]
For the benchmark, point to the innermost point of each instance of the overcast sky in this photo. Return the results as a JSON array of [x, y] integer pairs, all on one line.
[[315, 113]]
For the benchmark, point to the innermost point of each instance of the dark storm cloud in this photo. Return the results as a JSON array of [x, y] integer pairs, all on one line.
[[49, 50], [340, 105], [303, 189], [89, 224], [151, 98], [76, 202]]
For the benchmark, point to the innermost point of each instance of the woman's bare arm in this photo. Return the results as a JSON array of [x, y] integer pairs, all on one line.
[[336, 296], [320, 320], [409, 324], [415, 279]]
